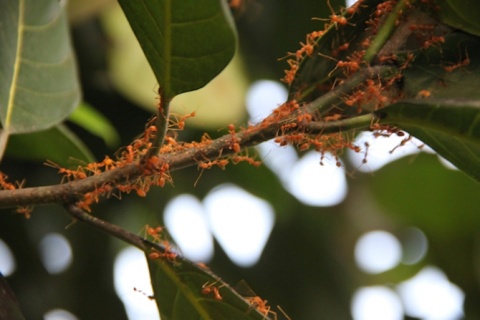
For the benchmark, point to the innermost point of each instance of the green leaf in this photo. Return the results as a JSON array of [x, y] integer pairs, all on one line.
[[186, 42], [178, 283], [450, 127], [462, 15], [93, 121], [38, 86], [57, 144], [9, 307], [448, 120]]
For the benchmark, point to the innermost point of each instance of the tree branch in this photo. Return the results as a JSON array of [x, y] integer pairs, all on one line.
[[271, 127]]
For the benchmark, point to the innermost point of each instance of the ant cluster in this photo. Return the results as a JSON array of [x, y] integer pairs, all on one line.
[[308, 48], [349, 56], [213, 290], [153, 170], [233, 145], [157, 235]]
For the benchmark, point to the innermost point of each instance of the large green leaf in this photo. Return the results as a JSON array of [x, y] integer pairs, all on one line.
[[186, 42], [442, 105], [38, 79], [461, 15], [178, 284]]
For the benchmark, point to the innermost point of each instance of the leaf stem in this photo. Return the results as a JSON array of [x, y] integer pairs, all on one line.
[[385, 31], [360, 122], [161, 123]]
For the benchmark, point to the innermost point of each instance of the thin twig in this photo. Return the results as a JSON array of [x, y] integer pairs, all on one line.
[[106, 227]]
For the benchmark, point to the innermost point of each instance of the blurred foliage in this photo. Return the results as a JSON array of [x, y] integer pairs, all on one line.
[[308, 266], [39, 86]]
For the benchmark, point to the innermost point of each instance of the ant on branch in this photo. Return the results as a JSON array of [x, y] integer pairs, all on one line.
[[169, 254], [336, 19], [350, 66]]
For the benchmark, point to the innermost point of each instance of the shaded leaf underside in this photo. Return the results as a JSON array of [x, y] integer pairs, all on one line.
[[449, 119], [462, 15]]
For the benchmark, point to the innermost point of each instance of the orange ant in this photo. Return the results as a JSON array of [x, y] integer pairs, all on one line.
[[341, 48], [4, 184], [304, 146], [351, 66], [235, 4], [306, 48], [168, 253], [179, 122], [462, 63], [211, 289], [384, 8], [313, 36], [261, 305], [354, 8], [304, 118], [234, 143], [142, 187], [149, 133], [374, 90], [290, 74], [94, 196], [129, 154], [222, 163], [108, 163], [237, 159], [433, 40], [336, 19], [154, 232], [407, 61], [288, 126], [24, 211], [202, 265], [333, 117], [68, 174], [240, 6], [424, 94], [354, 98]]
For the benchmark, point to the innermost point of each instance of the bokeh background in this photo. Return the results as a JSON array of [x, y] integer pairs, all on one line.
[[396, 237]]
